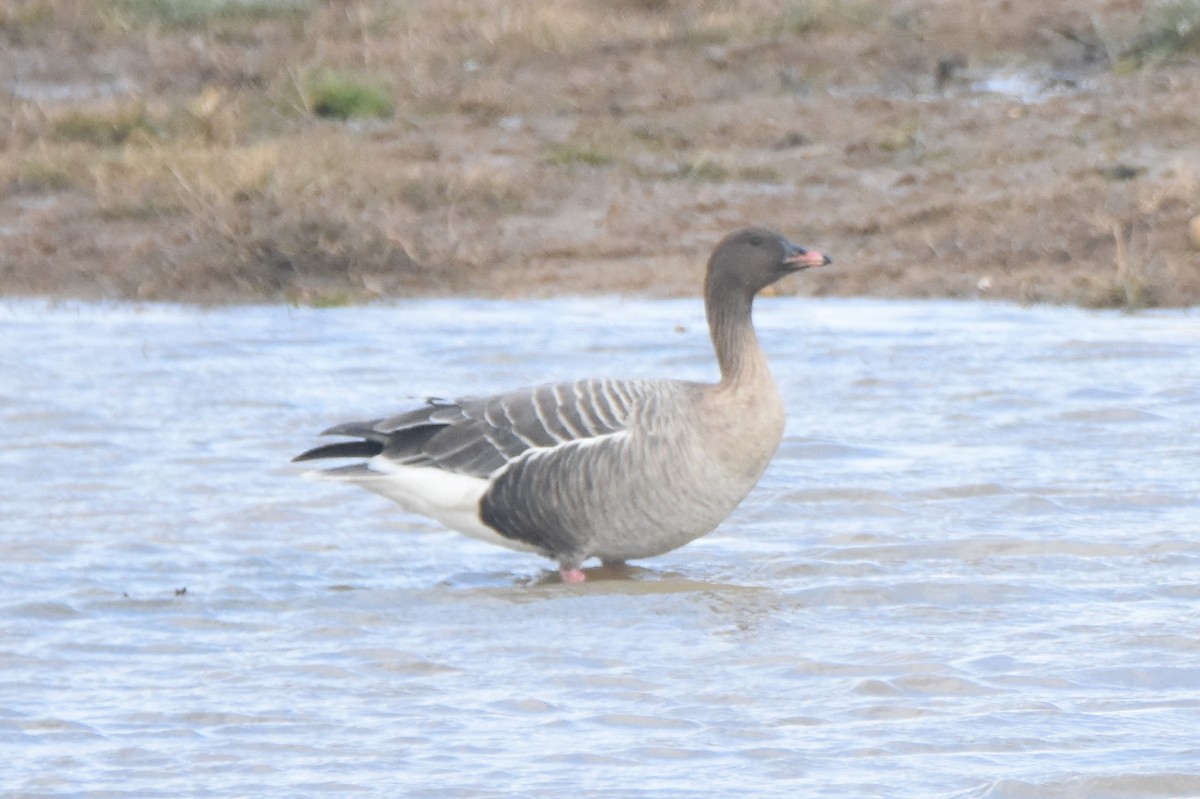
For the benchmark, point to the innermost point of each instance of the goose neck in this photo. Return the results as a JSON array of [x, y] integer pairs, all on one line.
[[739, 354]]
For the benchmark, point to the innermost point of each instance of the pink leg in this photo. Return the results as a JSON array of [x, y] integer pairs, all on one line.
[[574, 575]]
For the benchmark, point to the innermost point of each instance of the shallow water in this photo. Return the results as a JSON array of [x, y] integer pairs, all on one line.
[[972, 571]]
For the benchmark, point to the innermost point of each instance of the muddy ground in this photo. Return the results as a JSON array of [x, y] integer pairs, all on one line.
[[1037, 151]]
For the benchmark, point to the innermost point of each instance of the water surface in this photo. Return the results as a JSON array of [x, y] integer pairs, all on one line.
[[972, 571]]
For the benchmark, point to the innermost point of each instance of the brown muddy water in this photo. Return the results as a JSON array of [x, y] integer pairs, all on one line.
[[973, 569]]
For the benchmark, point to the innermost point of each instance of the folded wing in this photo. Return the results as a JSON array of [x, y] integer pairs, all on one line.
[[478, 435]]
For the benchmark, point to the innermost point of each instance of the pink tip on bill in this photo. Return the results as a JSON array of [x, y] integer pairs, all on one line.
[[809, 258]]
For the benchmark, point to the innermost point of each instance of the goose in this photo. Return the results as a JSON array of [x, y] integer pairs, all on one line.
[[596, 468]]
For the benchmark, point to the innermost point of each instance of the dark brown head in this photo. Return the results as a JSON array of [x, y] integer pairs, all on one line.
[[750, 259]]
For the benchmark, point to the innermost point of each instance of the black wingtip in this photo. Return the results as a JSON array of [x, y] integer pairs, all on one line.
[[343, 449]]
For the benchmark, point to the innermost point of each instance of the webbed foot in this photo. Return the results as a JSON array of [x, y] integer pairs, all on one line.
[[572, 575]]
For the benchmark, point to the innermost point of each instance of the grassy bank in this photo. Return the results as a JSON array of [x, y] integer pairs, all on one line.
[[226, 150]]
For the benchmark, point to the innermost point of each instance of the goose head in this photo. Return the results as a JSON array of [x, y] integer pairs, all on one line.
[[748, 260]]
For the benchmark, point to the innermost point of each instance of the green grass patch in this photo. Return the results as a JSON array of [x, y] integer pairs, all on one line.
[[110, 126], [192, 14], [1168, 28], [333, 298], [340, 95], [577, 154], [19, 18], [760, 174], [36, 175], [708, 168], [704, 168]]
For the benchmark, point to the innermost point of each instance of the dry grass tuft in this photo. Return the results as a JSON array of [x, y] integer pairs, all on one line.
[[804, 16]]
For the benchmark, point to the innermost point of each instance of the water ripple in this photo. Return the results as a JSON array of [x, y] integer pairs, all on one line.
[[972, 571]]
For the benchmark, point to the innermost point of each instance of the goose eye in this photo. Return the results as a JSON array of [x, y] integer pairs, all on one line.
[[756, 241]]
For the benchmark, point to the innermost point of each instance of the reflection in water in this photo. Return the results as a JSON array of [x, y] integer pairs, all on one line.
[[973, 570]]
